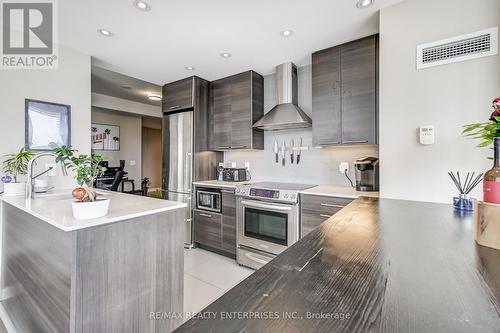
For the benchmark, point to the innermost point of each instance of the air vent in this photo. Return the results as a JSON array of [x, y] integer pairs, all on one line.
[[466, 47]]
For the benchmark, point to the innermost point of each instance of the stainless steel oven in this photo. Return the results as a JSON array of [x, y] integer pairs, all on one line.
[[267, 221], [208, 199], [267, 226]]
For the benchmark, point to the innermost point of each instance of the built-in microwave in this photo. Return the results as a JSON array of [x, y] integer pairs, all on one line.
[[208, 199]]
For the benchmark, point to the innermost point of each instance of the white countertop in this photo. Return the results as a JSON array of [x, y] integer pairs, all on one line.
[[324, 190], [338, 191], [55, 208], [219, 183]]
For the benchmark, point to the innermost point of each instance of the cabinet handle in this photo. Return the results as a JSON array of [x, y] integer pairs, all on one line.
[[188, 220], [238, 147], [223, 147], [324, 215], [332, 205], [174, 107], [356, 141], [329, 143], [205, 215], [252, 204]]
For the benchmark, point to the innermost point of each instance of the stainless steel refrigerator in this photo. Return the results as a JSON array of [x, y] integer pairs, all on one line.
[[178, 161]]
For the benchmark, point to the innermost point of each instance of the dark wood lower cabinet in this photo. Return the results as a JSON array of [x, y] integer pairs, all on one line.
[[207, 228], [229, 222], [217, 232], [316, 209]]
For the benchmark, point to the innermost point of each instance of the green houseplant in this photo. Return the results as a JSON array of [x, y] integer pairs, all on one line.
[[488, 131], [87, 168], [15, 165]]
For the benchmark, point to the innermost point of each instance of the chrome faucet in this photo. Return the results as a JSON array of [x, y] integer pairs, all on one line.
[[29, 181]]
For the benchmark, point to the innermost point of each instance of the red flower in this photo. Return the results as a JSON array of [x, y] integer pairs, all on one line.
[[496, 107]]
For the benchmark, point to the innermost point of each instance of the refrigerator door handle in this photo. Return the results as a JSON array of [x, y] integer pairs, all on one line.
[[189, 160]]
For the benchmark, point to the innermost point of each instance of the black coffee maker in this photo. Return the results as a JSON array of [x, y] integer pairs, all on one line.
[[367, 177]]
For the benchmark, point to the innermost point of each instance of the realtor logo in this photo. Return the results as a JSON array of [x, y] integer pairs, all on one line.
[[28, 34]]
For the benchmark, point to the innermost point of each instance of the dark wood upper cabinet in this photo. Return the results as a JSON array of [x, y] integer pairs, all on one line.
[[326, 97], [178, 95], [221, 115], [345, 89], [236, 102], [359, 85], [191, 93]]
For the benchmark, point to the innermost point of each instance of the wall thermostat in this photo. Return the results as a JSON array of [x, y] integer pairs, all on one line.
[[426, 134]]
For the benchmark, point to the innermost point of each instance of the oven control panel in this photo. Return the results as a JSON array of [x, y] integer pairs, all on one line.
[[264, 193]]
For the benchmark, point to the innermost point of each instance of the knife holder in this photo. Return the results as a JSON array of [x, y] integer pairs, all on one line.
[[487, 224]]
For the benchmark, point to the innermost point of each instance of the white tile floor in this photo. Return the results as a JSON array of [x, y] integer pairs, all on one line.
[[207, 276]]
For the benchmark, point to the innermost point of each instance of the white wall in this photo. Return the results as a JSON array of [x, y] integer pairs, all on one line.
[[317, 166], [130, 141], [69, 84], [125, 105], [446, 96]]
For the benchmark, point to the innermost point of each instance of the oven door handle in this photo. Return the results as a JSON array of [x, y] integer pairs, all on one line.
[[264, 206]]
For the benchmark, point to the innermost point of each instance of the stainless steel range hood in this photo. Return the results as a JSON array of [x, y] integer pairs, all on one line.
[[287, 114]]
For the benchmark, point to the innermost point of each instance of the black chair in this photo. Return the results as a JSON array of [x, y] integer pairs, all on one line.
[[117, 181]]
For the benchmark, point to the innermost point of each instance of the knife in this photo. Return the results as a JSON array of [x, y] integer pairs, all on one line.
[[292, 146], [283, 153], [276, 150], [299, 150]]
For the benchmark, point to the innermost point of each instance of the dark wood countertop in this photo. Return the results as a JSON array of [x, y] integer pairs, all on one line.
[[379, 265]]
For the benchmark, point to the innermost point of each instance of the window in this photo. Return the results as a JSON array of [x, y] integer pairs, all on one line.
[[47, 125]]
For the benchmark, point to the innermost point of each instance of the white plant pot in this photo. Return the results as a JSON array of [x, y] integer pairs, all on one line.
[[14, 188], [91, 209]]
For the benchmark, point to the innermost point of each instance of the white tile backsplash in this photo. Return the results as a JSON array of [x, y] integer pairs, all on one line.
[[317, 166]]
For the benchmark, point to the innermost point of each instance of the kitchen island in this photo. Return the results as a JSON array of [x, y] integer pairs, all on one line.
[[100, 275], [378, 265]]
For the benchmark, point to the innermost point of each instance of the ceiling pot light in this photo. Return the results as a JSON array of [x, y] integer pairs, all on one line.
[[154, 97], [105, 32], [286, 33], [142, 5], [189, 68], [225, 55], [364, 3]]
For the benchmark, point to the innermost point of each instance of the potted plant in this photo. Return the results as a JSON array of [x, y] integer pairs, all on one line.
[[87, 169], [145, 184], [489, 133], [14, 166]]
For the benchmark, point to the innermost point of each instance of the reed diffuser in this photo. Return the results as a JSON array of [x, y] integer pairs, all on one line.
[[464, 202]]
